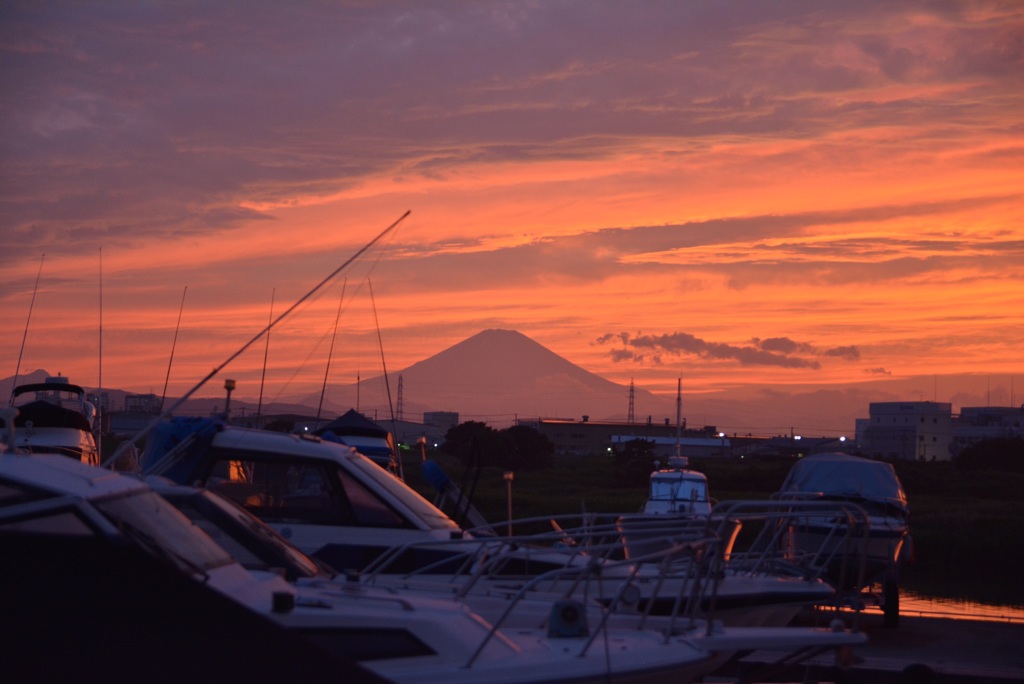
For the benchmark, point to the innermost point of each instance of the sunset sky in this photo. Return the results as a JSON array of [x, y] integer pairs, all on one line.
[[738, 194]]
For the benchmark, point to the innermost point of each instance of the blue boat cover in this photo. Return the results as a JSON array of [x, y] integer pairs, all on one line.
[[175, 446]]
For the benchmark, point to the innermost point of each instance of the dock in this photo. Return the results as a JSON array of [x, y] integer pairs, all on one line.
[[921, 650]]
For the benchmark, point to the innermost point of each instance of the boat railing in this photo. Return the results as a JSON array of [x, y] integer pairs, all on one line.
[[769, 543], [701, 579], [685, 569], [588, 537]]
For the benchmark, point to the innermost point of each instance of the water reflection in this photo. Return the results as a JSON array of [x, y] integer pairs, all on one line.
[[914, 605]]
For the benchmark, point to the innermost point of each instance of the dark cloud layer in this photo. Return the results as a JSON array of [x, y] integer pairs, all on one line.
[[133, 119], [776, 351]]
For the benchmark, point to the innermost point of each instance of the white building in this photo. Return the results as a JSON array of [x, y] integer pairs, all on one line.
[[908, 430]]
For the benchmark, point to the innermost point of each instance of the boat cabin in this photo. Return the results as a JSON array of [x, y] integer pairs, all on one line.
[[677, 489], [54, 417]]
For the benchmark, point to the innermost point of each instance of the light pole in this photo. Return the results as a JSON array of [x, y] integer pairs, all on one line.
[[229, 385], [509, 476]]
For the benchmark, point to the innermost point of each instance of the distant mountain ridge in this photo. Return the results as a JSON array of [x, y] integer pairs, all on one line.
[[495, 376], [501, 376], [505, 373]]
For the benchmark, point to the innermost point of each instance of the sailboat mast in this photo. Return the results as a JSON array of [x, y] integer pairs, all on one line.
[[174, 343], [266, 352], [261, 333], [99, 391], [327, 370], [24, 336], [387, 385]]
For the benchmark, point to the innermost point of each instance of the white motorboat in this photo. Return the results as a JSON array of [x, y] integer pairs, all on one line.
[[880, 544], [54, 417], [677, 490], [340, 507], [402, 637], [677, 501], [260, 548]]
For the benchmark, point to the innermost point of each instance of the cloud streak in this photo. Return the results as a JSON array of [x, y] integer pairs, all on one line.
[[782, 352]]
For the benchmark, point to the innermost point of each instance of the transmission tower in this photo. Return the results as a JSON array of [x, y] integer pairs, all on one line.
[[632, 392], [398, 410]]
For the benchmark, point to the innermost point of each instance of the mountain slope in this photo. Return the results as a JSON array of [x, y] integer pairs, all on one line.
[[505, 373]]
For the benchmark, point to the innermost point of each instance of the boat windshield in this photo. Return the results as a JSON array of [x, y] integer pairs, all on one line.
[[678, 489], [64, 396], [158, 527], [250, 541], [427, 512]]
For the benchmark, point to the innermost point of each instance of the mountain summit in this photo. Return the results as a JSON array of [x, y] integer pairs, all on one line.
[[502, 374]]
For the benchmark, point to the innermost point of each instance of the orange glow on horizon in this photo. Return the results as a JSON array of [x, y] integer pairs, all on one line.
[[787, 200]]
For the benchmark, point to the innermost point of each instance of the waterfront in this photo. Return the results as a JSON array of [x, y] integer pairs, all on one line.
[[938, 641], [922, 649], [913, 605]]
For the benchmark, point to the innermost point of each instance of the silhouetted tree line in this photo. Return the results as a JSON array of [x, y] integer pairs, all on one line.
[[1003, 454], [633, 463], [516, 448], [280, 425]]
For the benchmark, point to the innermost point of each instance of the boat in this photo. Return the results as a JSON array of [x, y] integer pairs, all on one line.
[[261, 549], [54, 417], [373, 634], [345, 510], [881, 545], [676, 490], [677, 501], [371, 440]]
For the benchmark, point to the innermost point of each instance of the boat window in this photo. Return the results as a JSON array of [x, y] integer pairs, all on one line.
[[251, 542], [424, 511], [65, 522], [154, 524], [13, 493], [679, 490], [369, 643], [369, 510], [283, 490]]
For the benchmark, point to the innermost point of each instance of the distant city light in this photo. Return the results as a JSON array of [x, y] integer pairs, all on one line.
[[842, 439]]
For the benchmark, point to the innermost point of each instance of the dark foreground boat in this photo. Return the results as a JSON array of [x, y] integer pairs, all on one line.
[[882, 545]]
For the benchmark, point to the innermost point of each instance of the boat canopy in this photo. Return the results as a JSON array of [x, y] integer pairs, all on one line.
[[838, 475], [49, 386], [176, 446]]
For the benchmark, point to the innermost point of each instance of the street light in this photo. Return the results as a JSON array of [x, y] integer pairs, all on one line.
[[229, 385], [509, 476]]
